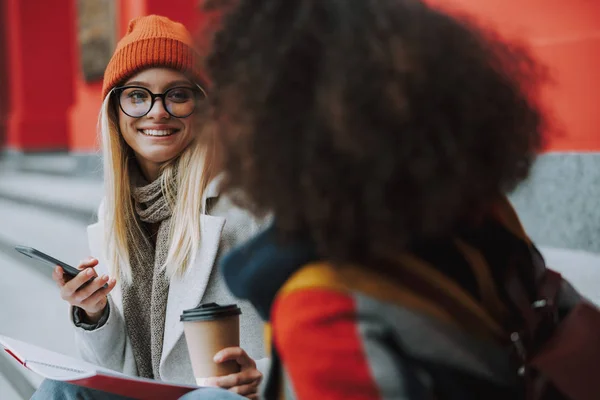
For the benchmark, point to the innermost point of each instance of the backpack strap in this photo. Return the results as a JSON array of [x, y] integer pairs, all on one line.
[[488, 288]]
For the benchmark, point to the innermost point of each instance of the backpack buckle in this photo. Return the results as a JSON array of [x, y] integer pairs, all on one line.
[[546, 309]]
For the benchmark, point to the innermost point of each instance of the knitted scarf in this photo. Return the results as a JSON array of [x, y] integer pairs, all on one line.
[[145, 300]]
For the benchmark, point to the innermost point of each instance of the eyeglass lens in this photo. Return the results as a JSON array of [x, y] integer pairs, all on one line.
[[136, 102]]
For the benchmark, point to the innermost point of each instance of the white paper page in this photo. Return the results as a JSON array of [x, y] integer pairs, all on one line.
[[50, 364], [57, 373], [59, 367]]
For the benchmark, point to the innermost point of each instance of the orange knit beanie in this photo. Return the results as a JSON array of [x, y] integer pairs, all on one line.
[[152, 41]]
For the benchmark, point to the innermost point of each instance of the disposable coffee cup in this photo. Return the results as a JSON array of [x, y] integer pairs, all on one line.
[[210, 328]]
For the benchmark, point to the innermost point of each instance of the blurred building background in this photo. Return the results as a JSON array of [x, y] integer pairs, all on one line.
[[52, 56]]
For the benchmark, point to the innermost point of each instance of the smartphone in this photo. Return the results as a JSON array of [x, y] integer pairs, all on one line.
[[70, 271], [38, 255]]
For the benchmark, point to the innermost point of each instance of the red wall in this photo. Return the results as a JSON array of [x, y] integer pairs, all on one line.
[[565, 35], [4, 93], [39, 54], [48, 105]]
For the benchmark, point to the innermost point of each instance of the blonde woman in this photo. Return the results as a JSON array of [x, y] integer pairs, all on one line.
[[162, 224]]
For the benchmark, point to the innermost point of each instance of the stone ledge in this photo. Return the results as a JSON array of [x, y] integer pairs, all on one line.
[[74, 197], [11, 374], [54, 163]]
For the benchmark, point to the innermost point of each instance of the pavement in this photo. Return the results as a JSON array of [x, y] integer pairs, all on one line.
[[50, 213]]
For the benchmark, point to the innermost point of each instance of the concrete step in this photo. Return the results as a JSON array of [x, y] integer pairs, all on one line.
[[31, 310], [84, 164], [23, 224], [8, 391], [49, 213], [30, 305], [77, 198]]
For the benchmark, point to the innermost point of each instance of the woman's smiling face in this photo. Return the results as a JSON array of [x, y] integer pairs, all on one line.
[[156, 137]]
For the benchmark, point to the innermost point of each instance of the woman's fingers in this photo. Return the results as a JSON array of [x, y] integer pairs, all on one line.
[[86, 290], [58, 276], [83, 293], [246, 390], [87, 263], [248, 377], [68, 290], [235, 353], [97, 300], [61, 278]]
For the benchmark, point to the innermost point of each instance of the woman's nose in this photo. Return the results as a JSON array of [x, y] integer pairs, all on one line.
[[158, 111]]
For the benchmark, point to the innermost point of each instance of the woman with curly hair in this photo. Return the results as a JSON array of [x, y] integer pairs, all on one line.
[[383, 136]]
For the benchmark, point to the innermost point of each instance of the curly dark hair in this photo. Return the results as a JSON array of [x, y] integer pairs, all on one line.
[[370, 124]]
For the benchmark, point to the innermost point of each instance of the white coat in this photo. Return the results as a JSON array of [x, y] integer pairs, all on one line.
[[110, 347]]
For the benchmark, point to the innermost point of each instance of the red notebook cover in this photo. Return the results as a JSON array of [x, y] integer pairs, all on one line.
[[55, 366]]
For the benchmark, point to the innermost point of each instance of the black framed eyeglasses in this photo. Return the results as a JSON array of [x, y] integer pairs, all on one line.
[[179, 101]]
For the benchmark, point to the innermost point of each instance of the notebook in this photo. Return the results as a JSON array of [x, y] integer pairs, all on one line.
[[59, 367]]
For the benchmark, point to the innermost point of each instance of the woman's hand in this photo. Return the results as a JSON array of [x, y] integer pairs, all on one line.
[[245, 382], [90, 298]]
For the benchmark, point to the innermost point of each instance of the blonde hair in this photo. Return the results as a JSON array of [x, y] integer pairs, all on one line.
[[189, 173]]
